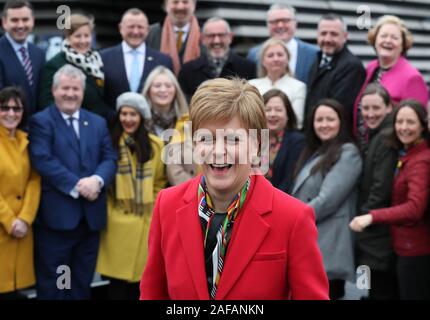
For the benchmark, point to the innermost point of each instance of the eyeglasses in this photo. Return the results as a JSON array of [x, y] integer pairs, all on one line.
[[283, 20], [214, 35], [13, 108]]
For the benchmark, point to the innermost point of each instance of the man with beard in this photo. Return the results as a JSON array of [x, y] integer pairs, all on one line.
[[337, 73], [179, 36], [20, 61], [217, 62]]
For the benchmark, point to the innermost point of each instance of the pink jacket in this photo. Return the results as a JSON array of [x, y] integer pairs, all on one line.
[[403, 81]]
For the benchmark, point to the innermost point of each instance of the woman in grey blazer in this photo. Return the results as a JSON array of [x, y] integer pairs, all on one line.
[[326, 177]]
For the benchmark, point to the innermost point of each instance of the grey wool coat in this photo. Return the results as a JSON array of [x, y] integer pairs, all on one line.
[[334, 199]]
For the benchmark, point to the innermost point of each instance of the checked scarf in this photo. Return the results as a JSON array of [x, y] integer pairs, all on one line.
[[129, 188], [206, 214]]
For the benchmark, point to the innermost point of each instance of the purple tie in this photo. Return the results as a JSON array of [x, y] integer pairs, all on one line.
[[26, 63]]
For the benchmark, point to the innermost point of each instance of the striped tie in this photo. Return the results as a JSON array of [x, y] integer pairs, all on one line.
[[26, 63]]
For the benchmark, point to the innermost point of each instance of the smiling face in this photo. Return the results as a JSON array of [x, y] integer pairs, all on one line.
[[224, 148], [162, 92], [276, 115], [180, 11], [19, 23], [68, 94], [326, 123], [134, 29], [217, 39], [282, 24], [130, 119], [331, 37], [275, 60], [408, 126], [374, 110], [80, 40], [11, 114], [389, 44]]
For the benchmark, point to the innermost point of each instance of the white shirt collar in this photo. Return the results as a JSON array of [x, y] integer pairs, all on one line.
[[127, 49], [15, 45], [185, 28], [67, 116]]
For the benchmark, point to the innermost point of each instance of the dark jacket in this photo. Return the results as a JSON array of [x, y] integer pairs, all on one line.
[[373, 245], [195, 72], [341, 79], [286, 159], [93, 94]]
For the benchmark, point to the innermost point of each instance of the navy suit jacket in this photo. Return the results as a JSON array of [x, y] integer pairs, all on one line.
[[12, 72], [116, 81], [61, 162], [306, 56]]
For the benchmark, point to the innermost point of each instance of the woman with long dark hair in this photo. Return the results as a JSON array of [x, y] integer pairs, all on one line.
[[140, 176], [326, 177]]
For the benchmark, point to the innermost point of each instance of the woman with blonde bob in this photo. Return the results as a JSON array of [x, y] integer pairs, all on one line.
[[391, 40], [274, 73], [227, 233]]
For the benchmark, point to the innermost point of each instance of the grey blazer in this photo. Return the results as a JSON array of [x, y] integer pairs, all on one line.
[[333, 197]]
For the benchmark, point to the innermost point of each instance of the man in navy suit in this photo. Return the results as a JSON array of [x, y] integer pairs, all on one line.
[[72, 151], [282, 24], [20, 61], [128, 64]]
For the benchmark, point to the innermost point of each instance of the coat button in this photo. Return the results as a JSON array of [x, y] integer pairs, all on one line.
[[18, 197]]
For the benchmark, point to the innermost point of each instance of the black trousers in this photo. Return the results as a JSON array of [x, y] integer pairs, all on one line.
[[122, 290], [336, 289], [414, 277], [383, 285]]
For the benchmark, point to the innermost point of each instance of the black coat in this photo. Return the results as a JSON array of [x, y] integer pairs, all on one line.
[[195, 72], [374, 243], [341, 80], [286, 159]]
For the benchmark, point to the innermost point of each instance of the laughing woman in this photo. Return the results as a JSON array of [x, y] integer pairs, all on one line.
[[229, 234], [140, 176], [19, 197]]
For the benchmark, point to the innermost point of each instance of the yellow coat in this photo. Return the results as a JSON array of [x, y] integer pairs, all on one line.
[[124, 242], [19, 198]]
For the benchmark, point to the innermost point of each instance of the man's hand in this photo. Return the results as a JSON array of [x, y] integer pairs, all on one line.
[[89, 188], [19, 228]]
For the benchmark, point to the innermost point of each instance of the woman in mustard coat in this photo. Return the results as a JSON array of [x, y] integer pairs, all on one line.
[[140, 176], [19, 198]]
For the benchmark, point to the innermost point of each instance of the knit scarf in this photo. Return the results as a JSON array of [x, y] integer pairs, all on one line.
[[168, 43], [129, 188], [206, 214], [90, 62]]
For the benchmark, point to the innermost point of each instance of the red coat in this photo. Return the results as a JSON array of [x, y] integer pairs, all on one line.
[[408, 215], [273, 252]]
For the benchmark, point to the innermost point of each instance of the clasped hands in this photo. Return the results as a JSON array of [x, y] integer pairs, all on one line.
[[19, 228], [89, 188]]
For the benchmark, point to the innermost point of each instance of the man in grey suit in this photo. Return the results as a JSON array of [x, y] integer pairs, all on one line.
[[282, 24]]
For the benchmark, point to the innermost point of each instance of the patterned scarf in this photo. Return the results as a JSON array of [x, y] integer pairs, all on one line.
[[206, 214], [90, 62], [129, 188], [162, 120]]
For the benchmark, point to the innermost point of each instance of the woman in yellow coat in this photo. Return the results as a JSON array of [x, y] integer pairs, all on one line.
[[140, 176], [19, 198]]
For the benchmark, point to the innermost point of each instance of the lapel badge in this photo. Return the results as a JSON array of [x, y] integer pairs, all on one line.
[[150, 58], [85, 123]]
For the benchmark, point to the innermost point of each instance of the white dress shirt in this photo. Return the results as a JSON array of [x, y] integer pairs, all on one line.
[[128, 57], [185, 29], [293, 47]]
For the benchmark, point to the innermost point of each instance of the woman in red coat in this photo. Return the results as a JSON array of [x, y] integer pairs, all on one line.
[[229, 234], [408, 215]]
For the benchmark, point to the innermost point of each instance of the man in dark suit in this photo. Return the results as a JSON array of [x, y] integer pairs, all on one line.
[[20, 61], [71, 149], [218, 61], [282, 24], [128, 64], [337, 73]]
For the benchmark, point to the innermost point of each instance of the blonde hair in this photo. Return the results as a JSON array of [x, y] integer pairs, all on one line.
[[76, 21], [221, 99], [406, 34], [261, 70], [179, 103]]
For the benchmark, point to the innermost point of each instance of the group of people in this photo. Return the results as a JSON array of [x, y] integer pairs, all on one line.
[[83, 144]]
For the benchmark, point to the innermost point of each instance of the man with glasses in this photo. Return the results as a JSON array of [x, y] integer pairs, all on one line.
[[20, 61], [218, 61], [282, 24]]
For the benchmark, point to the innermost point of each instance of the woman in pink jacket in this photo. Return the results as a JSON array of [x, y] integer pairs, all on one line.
[[391, 40]]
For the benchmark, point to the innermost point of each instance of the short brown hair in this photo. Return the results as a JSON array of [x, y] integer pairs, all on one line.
[[406, 34], [78, 20], [221, 99], [16, 4]]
